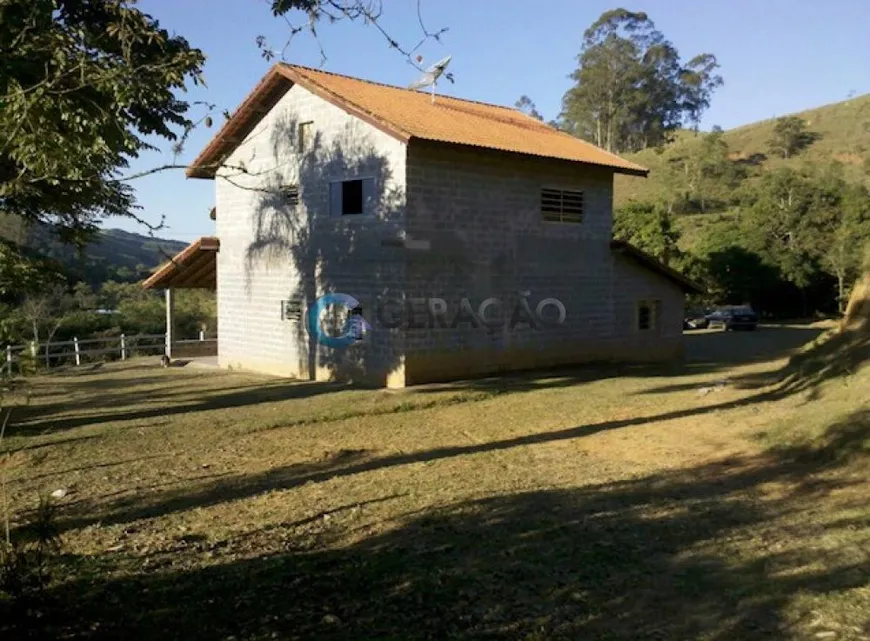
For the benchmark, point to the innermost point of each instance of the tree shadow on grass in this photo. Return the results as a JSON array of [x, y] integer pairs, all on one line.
[[40, 419], [693, 553], [828, 355], [708, 353], [240, 486], [833, 355]]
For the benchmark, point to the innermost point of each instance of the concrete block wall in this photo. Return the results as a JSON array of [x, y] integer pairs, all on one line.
[[634, 283], [478, 210], [481, 212], [272, 250]]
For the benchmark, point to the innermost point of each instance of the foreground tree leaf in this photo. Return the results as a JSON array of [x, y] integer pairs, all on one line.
[[82, 84]]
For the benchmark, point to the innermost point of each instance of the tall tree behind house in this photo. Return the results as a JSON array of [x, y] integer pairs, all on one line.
[[631, 88]]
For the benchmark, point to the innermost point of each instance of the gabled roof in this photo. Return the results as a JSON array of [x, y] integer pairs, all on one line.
[[650, 262], [407, 115], [195, 266]]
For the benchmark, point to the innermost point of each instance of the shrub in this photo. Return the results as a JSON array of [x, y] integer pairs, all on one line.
[[26, 559]]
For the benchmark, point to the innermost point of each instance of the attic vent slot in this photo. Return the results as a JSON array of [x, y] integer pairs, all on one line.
[[291, 309], [562, 205], [290, 193], [303, 136]]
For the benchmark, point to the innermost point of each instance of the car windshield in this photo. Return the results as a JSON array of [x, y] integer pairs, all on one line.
[[734, 309]]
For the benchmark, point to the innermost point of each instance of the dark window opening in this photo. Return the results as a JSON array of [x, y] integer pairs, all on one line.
[[355, 197], [351, 197], [644, 316], [648, 313]]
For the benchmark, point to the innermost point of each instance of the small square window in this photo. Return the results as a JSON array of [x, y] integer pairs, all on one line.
[[303, 137], [351, 197]]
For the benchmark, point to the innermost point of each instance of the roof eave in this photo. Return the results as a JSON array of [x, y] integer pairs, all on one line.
[[631, 171], [185, 260], [257, 104], [253, 108], [685, 283], [634, 171]]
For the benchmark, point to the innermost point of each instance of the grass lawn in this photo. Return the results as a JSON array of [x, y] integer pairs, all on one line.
[[726, 498]]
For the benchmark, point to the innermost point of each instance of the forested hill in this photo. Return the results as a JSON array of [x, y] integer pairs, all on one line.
[[839, 132], [114, 255], [775, 213], [120, 250]]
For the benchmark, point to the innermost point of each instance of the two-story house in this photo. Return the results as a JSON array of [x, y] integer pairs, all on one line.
[[475, 238]]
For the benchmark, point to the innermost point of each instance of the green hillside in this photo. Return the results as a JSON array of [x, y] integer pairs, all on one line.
[[117, 249], [114, 255], [843, 131]]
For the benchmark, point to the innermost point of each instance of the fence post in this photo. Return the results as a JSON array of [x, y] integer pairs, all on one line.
[[78, 355], [9, 359], [123, 347], [201, 335]]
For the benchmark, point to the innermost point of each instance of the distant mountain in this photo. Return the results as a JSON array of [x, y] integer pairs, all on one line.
[[114, 255], [842, 128], [117, 251]]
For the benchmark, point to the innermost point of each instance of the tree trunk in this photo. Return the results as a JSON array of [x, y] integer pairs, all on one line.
[[841, 285], [48, 342]]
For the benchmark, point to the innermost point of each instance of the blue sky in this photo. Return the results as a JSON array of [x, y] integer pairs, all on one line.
[[776, 56]]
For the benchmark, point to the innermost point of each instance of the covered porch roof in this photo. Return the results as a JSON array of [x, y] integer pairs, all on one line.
[[195, 266]]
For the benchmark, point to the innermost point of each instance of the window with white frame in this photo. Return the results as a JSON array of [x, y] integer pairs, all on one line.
[[562, 205], [355, 197], [648, 315]]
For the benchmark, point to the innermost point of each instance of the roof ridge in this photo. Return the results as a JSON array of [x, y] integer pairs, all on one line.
[[406, 114], [414, 91]]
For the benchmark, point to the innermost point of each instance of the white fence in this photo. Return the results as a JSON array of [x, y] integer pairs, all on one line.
[[76, 352]]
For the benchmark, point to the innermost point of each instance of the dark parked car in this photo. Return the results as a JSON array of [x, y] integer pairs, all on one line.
[[695, 319], [739, 317]]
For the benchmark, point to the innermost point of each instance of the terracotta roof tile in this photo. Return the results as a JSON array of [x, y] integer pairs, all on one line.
[[408, 114]]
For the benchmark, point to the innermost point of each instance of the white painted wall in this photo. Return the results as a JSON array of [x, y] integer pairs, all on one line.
[[271, 251]]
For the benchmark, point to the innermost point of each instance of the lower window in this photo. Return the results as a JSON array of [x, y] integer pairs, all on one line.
[[647, 314]]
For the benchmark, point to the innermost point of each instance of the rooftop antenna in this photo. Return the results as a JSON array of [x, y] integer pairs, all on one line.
[[431, 75]]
